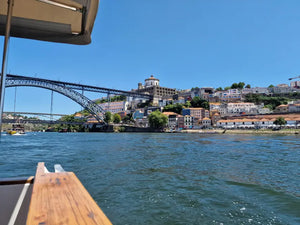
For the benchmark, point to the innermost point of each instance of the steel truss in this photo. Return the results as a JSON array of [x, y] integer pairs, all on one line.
[[86, 103], [89, 88]]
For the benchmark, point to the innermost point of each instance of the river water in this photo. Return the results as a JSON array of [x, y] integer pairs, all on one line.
[[153, 178]]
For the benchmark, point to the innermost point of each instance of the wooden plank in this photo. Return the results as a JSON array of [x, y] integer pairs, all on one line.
[[60, 198]]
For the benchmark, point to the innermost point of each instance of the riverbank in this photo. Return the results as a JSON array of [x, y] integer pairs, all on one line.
[[238, 131]]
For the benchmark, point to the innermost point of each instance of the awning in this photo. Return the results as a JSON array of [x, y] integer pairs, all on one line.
[[65, 21]]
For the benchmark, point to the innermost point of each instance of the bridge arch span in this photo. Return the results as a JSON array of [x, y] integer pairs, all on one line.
[[82, 100]]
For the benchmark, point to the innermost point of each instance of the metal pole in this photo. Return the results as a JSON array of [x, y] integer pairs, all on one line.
[[15, 102], [82, 92], [51, 107], [4, 58], [108, 101]]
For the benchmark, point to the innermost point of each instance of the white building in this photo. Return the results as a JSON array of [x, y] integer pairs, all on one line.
[[241, 108], [221, 108], [295, 84], [186, 122], [172, 120], [262, 110], [264, 122], [246, 123], [230, 95], [206, 122], [294, 108], [114, 107], [256, 90]]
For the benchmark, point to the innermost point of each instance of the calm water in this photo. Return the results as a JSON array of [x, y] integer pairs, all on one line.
[[172, 178]]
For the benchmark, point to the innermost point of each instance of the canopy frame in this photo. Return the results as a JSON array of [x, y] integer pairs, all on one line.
[[4, 58]]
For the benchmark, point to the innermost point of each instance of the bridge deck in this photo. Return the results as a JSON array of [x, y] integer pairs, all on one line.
[[60, 198]]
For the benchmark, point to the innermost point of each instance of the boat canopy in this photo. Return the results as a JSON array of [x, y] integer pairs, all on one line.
[[64, 21]]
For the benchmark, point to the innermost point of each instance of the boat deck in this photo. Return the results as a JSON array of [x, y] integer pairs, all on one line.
[[15, 194], [48, 199], [60, 198]]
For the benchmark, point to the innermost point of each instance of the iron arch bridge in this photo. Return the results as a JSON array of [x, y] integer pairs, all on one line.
[[82, 87], [92, 107]]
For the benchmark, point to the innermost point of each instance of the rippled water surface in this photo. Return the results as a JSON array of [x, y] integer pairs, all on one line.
[[172, 178]]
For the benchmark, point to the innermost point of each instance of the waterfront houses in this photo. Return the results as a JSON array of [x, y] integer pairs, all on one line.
[[289, 108], [185, 122], [227, 108], [258, 122], [282, 109], [294, 108], [198, 113], [241, 108], [172, 120], [205, 122]]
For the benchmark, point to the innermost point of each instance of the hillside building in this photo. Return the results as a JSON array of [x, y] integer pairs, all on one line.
[[114, 107], [151, 86], [198, 113]]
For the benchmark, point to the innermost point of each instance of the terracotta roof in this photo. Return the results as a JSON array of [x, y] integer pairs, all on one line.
[[241, 103], [170, 113], [194, 108]]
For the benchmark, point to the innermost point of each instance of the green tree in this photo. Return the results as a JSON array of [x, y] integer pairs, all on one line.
[[241, 85], [196, 102], [157, 119], [115, 98], [128, 118], [187, 104], [234, 86], [117, 118], [269, 106], [280, 121], [227, 88], [195, 89], [267, 100], [271, 85], [199, 102], [219, 89], [176, 108], [69, 127], [248, 86], [108, 117]]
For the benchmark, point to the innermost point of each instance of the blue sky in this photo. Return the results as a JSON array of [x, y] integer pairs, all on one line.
[[183, 43]]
